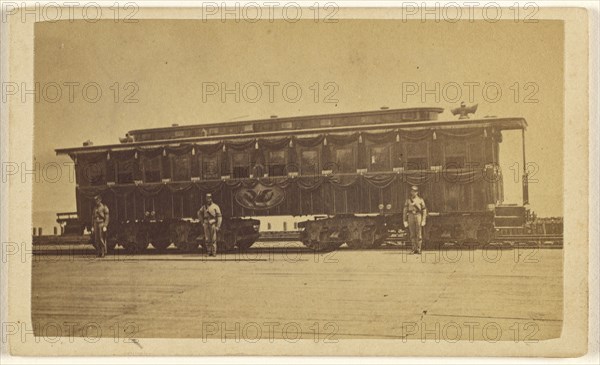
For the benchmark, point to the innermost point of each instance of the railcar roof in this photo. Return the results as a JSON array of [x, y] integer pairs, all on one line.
[[290, 119], [509, 123]]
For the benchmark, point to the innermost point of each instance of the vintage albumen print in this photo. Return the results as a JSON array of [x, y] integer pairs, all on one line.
[[299, 180]]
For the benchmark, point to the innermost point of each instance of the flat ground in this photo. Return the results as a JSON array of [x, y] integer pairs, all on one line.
[[281, 290]]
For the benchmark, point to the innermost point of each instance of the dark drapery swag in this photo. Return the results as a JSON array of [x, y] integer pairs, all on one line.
[[342, 181], [273, 144]]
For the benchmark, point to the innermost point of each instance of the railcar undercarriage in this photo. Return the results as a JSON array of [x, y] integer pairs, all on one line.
[[187, 236]]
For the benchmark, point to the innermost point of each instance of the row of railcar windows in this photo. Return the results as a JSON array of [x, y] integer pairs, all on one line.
[[241, 164]]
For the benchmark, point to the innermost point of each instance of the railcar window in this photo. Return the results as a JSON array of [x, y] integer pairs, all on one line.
[[455, 155], [178, 202], [210, 167], [380, 158], [124, 172], [309, 162], [325, 123], [286, 125], [416, 155], [248, 128], [95, 173], [344, 160], [182, 167], [277, 163], [476, 155], [151, 169], [458, 197], [240, 163]]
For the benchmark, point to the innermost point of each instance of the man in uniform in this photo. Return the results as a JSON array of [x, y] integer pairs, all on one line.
[[415, 216], [100, 220], [210, 215]]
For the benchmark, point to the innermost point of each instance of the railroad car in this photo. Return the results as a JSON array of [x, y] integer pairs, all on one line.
[[353, 170]]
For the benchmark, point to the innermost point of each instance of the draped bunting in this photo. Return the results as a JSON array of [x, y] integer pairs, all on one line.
[[180, 150], [309, 141], [274, 144], [415, 136], [150, 152], [209, 149], [342, 139], [380, 137], [271, 144], [240, 146], [126, 155], [461, 135], [150, 189], [337, 139], [380, 180], [343, 181]]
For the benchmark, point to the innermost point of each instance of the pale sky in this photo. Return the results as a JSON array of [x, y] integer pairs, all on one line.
[[369, 61]]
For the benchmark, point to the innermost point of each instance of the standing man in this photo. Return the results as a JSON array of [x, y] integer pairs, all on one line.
[[100, 220], [210, 215], [415, 216]]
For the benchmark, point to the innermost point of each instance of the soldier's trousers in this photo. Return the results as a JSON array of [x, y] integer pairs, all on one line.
[[100, 239], [210, 238], [415, 230]]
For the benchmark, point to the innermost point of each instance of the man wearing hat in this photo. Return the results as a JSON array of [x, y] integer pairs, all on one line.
[[210, 216], [415, 216], [100, 220]]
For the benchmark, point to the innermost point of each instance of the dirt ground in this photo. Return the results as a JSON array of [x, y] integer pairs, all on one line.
[[282, 290]]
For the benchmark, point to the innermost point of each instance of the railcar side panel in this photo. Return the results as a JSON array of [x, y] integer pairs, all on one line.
[[332, 174]]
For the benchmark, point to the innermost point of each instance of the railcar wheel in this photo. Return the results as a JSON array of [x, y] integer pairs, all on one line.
[[380, 236], [226, 240], [161, 245], [378, 242], [187, 246], [111, 244], [355, 244], [368, 239], [134, 247], [435, 235], [244, 245], [304, 238], [225, 245], [484, 236]]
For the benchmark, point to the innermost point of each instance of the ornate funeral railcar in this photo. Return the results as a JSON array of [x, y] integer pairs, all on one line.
[[354, 169]]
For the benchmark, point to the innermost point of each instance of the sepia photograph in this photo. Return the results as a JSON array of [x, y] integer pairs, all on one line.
[[250, 175]]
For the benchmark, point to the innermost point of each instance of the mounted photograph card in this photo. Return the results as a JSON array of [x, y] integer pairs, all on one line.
[[320, 180]]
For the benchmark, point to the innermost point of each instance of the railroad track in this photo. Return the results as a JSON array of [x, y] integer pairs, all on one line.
[[395, 241]]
